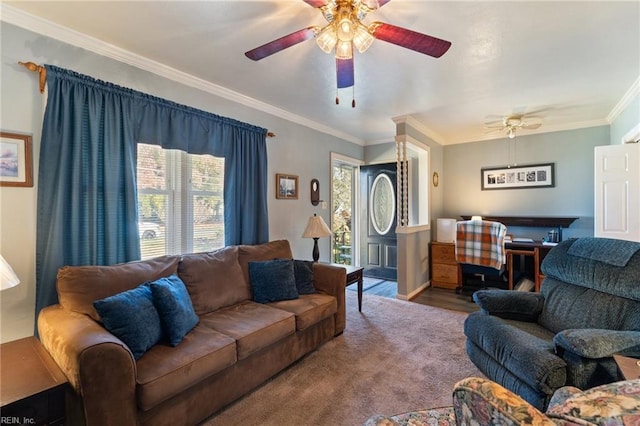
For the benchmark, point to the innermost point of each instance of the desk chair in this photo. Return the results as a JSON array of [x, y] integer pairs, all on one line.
[[480, 252]]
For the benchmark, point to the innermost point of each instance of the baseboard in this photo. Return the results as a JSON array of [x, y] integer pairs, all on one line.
[[415, 292]]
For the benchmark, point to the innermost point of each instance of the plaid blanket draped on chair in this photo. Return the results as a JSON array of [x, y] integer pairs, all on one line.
[[481, 242]]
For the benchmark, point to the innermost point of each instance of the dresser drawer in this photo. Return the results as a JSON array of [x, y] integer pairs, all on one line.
[[445, 274], [443, 253]]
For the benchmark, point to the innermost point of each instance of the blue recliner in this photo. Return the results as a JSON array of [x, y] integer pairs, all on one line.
[[588, 309]]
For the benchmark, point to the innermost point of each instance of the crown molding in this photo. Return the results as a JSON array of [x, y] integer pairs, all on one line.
[[66, 35], [411, 121], [632, 93]]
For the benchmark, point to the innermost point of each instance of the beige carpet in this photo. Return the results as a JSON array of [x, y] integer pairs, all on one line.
[[393, 357]]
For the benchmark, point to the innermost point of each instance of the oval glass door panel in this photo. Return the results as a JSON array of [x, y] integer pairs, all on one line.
[[382, 204]]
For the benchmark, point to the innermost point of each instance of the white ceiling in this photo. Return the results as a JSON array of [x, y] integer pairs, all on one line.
[[574, 60]]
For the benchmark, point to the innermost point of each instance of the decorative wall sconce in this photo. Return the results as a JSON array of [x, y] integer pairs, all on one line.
[[315, 192]]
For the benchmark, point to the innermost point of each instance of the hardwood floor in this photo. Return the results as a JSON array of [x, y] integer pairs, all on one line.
[[439, 297]]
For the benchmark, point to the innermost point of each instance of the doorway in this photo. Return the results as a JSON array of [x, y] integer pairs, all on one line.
[[378, 216]]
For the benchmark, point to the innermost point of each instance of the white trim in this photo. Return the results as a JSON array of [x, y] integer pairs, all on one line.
[[633, 92], [408, 119], [412, 229], [414, 293], [66, 35], [632, 135]]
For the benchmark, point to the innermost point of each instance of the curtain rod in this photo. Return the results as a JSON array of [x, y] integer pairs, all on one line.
[[42, 71]]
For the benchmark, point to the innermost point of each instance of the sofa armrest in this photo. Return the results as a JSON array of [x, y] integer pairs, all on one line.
[[99, 367], [598, 343], [332, 280], [481, 401], [509, 304]]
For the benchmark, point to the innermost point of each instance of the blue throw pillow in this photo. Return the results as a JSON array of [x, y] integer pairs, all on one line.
[[303, 271], [273, 280], [173, 303], [132, 318]]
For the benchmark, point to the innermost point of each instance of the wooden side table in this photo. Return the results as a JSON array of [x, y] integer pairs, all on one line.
[[354, 275], [32, 389], [629, 367]]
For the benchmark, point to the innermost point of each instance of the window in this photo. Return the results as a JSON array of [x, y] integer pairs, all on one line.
[[180, 201]]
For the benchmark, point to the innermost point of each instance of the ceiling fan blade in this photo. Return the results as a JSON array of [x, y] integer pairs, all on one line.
[[316, 3], [281, 43], [344, 71], [419, 42], [531, 125]]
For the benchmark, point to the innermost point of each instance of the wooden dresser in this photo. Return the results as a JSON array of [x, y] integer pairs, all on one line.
[[444, 268]]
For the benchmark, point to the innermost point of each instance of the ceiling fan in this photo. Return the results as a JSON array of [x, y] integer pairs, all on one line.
[[345, 30], [514, 122]]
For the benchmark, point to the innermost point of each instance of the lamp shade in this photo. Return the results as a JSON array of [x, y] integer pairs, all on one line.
[[8, 278], [316, 228]]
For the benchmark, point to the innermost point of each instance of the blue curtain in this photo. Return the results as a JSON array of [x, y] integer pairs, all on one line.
[[87, 200]]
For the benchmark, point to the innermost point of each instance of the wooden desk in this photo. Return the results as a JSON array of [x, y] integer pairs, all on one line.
[[536, 249], [32, 387]]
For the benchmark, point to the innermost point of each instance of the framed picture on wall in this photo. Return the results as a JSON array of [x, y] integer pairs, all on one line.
[[286, 187], [16, 164], [518, 177]]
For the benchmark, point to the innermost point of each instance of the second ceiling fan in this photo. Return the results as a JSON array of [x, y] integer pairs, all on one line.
[[346, 31]]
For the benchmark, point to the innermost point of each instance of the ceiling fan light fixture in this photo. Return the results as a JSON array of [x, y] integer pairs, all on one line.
[[362, 39], [327, 39], [344, 50], [512, 133], [346, 29]]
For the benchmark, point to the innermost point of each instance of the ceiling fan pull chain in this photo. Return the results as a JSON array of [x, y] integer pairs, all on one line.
[[353, 96]]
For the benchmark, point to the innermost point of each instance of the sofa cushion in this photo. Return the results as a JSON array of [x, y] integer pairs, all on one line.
[[309, 309], [272, 280], [254, 326], [303, 271], [279, 249], [172, 302], [525, 349], [132, 317], [79, 286], [165, 371], [214, 280]]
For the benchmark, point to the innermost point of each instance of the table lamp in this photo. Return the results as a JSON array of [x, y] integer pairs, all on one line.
[[8, 278], [316, 228]]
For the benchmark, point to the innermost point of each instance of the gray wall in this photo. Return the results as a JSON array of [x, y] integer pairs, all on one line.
[[570, 151], [296, 150]]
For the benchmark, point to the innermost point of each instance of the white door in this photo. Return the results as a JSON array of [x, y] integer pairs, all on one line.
[[617, 191]]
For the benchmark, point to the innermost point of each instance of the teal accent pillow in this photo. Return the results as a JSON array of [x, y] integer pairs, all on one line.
[[303, 272], [171, 298], [132, 317], [273, 280]]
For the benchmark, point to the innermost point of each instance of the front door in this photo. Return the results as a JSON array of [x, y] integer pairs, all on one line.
[[379, 248]]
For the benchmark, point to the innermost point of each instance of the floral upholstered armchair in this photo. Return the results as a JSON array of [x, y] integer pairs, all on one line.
[[481, 402]]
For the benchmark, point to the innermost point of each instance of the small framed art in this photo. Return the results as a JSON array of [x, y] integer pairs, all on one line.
[[286, 187], [16, 164], [518, 177]]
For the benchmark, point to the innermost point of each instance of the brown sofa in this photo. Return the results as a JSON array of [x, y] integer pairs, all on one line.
[[237, 345]]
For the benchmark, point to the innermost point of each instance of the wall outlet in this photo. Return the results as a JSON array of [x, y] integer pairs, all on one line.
[[324, 205]]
